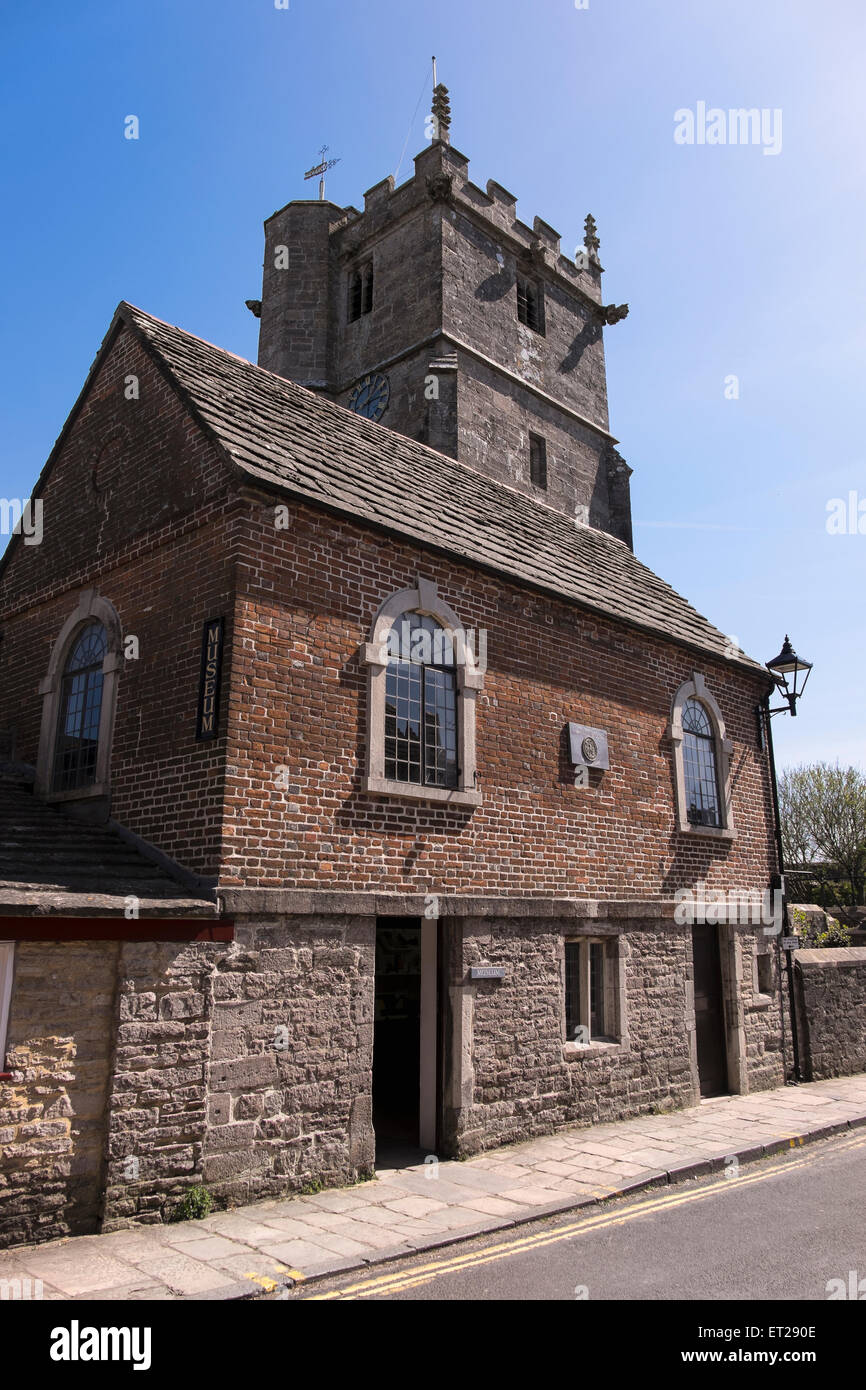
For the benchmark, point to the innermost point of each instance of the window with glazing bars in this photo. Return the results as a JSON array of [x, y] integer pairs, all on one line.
[[421, 704], [699, 766], [586, 1006], [530, 304], [80, 709]]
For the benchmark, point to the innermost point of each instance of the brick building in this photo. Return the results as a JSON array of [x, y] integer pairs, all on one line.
[[354, 761]]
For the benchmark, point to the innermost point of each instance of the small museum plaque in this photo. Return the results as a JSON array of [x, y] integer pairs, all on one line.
[[588, 746]]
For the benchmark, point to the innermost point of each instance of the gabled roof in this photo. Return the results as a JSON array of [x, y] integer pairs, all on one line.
[[287, 438]]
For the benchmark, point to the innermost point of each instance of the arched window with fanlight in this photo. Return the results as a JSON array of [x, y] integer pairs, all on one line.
[[702, 762], [421, 703], [77, 741], [424, 676], [699, 766], [79, 696]]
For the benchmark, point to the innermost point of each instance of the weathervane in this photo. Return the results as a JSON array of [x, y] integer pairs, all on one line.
[[320, 170]]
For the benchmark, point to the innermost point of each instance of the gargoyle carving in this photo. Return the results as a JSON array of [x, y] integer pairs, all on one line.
[[611, 313]]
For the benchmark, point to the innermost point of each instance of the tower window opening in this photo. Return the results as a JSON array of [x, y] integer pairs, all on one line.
[[360, 293], [530, 304], [538, 460]]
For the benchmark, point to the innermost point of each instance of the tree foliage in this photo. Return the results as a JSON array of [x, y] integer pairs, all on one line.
[[823, 815]]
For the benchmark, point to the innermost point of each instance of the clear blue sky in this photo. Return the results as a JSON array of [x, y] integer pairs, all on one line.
[[733, 261]]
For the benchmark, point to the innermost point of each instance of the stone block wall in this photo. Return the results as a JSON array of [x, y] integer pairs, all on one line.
[[521, 1077], [831, 1010], [526, 1079], [143, 1068], [446, 257], [495, 419], [52, 1113], [157, 1110], [291, 1066]]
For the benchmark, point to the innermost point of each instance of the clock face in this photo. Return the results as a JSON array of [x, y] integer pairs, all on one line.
[[370, 397]]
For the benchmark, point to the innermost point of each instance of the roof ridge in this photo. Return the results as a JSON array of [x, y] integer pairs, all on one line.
[[266, 425], [325, 402]]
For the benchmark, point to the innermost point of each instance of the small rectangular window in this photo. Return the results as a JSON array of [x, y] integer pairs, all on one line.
[[7, 957], [530, 304], [591, 1007], [765, 973], [538, 460]]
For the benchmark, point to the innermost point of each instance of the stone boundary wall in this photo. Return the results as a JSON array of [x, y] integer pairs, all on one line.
[[831, 1011]]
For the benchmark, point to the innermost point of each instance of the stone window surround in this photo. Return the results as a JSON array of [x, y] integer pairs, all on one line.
[[615, 994], [763, 999], [696, 689], [424, 598], [90, 608], [7, 963]]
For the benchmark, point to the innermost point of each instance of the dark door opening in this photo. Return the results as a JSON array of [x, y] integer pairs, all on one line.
[[709, 1012], [397, 1040]]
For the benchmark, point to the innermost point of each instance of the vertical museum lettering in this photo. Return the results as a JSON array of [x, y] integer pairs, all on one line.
[[209, 683]]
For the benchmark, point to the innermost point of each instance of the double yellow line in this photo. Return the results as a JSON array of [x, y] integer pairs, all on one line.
[[401, 1280]]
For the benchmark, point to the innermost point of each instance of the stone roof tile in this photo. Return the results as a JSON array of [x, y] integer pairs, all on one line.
[[284, 435]]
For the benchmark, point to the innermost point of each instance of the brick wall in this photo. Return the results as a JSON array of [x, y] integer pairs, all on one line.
[[153, 535], [296, 815]]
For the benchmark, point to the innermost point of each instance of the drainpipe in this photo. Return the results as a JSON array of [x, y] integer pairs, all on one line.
[[786, 928]]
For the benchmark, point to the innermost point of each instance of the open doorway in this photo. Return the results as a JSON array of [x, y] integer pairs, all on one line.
[[709, 1012], [405, 1040]]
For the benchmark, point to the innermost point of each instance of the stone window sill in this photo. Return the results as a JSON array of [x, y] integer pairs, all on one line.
[[413, 791], [710, 832], [574, 1052], [762, 1001], [92, 793]]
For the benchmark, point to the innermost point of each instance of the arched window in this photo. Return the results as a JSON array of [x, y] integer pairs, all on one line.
[[79, 694], [77, 740], [424, 677], [702, 762], [699, 766], [421, 703]]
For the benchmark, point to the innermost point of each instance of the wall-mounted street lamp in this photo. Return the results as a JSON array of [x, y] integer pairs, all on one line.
[[789, 665], [790, 674]]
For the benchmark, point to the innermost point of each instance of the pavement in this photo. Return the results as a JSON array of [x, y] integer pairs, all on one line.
[[249, 1251]]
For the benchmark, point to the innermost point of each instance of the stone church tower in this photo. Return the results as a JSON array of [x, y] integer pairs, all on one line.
[[438, 312]]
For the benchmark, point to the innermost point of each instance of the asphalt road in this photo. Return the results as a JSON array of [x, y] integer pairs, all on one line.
[[779, 1229]]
